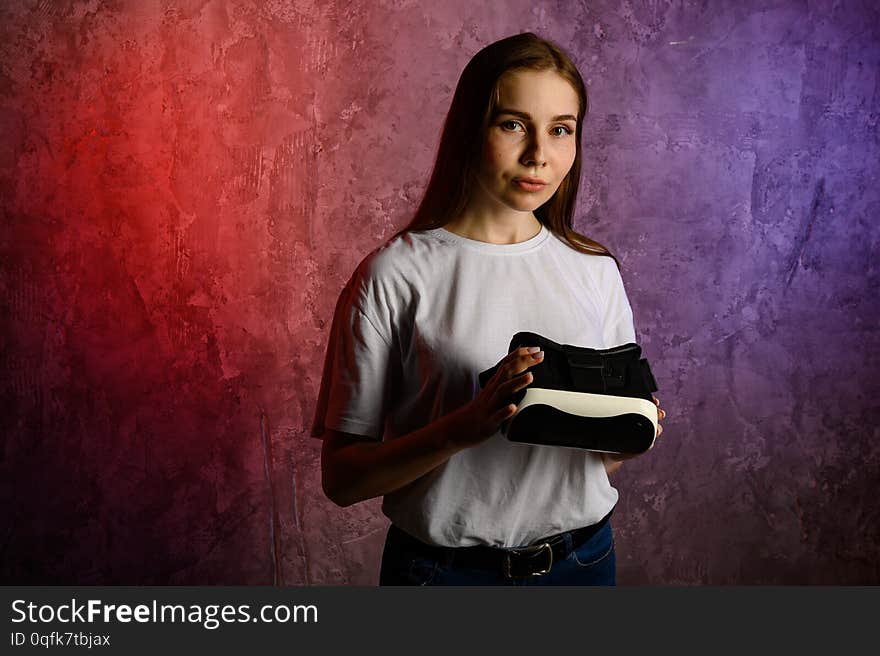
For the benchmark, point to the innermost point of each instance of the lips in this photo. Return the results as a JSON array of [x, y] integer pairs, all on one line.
[[529, 187]]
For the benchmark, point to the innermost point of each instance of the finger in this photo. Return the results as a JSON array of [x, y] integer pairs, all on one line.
[[656, 400], [517, 383], [503, 413], [659, 430], [523, 362], [515, 354], [502, 372], [661, 413], [506, 366]]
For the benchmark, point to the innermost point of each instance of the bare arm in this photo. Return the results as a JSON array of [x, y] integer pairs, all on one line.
[[611, 465], [354, 469]]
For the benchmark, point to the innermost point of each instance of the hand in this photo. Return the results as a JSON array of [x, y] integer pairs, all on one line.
[[611, 458], [660, 415], [482, 417]]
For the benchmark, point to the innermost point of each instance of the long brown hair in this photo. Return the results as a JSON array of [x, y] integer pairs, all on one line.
[[460, 151]]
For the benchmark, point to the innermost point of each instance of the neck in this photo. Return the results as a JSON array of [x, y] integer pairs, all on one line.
[[511, 229]]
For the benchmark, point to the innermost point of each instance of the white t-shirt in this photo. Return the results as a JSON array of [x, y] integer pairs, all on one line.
[[420, 318]]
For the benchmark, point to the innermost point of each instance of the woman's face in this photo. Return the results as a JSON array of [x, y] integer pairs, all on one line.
[[532, 135]]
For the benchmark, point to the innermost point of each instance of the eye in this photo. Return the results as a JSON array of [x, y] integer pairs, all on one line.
[[566, 130]]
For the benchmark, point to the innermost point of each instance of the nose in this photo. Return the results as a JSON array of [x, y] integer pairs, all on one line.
[[534, 152]]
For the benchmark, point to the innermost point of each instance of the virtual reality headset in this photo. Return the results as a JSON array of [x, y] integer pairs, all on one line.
[[593, 399]]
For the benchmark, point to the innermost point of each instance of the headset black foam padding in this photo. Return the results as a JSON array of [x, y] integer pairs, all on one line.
[[594, 399]]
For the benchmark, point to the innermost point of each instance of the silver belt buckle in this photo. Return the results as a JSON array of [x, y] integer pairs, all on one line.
[[536, 549]]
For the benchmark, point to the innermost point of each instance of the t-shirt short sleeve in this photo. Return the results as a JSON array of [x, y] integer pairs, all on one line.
[[356, 378], [618, 326]]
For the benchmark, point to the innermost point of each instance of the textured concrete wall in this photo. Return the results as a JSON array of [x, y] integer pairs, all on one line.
[[187, 186]]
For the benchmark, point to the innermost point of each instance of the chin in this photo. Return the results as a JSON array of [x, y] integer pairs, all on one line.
[[527, 204]]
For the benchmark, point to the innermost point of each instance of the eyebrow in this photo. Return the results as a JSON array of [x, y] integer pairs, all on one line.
[[515, 112]]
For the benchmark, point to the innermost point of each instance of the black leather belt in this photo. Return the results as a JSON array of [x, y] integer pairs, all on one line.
[[533, 560]]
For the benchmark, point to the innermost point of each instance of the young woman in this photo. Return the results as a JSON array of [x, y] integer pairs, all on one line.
[[491, 251]]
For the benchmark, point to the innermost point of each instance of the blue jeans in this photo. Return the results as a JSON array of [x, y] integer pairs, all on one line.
[[403, 563]]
